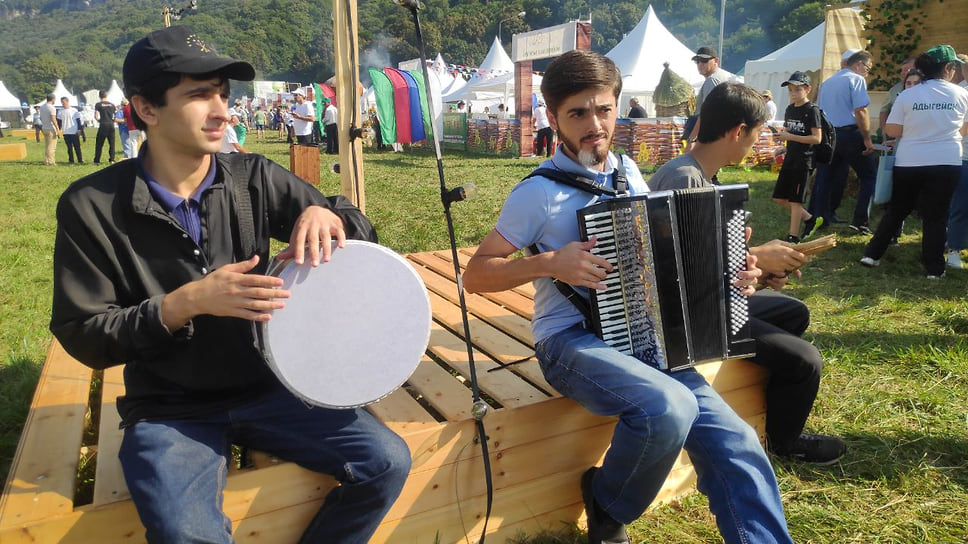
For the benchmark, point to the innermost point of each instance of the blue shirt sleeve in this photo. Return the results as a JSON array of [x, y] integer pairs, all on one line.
[[524, 214]]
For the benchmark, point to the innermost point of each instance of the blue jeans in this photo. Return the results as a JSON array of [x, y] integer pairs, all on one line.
[[176, 469], [659, 414], [828, 187], [958, 213]]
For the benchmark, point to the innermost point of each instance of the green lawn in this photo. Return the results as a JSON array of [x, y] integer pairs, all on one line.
[[895, 384]]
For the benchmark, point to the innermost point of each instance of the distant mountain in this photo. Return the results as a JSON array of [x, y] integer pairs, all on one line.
[[83, 42]]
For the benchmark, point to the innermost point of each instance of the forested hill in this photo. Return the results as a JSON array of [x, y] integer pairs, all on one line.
[[83, 41]]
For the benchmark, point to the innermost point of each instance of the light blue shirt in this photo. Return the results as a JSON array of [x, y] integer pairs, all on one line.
[[841, 94], [543, 212]]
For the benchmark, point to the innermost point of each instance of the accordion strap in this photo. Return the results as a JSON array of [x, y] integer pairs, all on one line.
[[568, 291], [620, 180]]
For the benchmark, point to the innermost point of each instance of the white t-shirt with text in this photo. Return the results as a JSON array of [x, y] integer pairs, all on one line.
[[931, 115]]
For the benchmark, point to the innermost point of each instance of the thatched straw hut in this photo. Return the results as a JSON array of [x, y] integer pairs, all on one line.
[[673, 96]]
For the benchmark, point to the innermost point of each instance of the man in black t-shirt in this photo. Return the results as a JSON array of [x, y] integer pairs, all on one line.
[[104, 113], [801, 131]]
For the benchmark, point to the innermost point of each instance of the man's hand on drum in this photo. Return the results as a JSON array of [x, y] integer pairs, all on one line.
[[575, 264], [315, 228], [227, 292]]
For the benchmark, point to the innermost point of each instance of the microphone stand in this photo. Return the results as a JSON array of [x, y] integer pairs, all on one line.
[[448, 197]]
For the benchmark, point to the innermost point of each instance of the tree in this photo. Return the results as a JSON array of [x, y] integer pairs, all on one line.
[[40, 74]]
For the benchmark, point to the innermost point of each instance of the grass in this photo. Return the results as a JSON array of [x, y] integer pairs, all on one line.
[[895, 384]]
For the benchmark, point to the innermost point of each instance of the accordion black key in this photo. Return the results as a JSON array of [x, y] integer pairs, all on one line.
[[669, 300]]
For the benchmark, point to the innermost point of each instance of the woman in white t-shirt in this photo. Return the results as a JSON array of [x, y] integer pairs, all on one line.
[[931, 117]]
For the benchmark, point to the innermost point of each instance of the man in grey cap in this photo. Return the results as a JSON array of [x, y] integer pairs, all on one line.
[[152, 270], [707, 62]]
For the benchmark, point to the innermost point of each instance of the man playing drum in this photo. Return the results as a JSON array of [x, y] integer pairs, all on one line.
[[148, 272], [659, 412]]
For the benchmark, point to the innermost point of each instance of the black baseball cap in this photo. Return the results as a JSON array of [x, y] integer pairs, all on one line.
[[797, 78], [705, 53], [179, 50]]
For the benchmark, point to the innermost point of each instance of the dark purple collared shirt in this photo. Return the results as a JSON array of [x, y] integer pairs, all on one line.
[[185, 210]]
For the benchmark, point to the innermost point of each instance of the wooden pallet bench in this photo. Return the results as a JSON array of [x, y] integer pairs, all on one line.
[[13, 152], [540, 443]]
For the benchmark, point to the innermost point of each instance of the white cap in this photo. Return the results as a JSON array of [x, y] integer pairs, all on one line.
[[849, 53], [300, 92]]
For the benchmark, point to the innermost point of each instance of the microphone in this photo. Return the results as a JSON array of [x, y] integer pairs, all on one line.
[[457, 194]]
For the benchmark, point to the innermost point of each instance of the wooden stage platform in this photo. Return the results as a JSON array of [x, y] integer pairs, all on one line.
[[540, 443]]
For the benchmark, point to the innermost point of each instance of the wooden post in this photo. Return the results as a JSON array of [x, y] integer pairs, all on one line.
[[348, 87], [522, 103]]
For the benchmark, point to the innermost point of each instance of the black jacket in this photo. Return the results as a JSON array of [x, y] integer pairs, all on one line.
[[117, 253]]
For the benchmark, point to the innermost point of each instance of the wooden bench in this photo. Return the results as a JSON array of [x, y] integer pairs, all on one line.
[[540, 443]]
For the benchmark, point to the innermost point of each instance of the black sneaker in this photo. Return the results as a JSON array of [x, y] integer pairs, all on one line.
[[793, 239], [835, 220], [602, 529], [817, 449], [812, 226], [861, 229]]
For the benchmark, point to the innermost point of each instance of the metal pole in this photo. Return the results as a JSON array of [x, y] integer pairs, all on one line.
[[722, 24]]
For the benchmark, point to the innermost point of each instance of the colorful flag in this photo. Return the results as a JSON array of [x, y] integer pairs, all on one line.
[[401, 104], [383, 91]]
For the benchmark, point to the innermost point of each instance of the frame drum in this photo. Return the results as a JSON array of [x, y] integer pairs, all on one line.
[[354, 328]]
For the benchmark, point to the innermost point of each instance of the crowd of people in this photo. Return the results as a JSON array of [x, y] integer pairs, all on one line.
[[924, 126], [296, 122]]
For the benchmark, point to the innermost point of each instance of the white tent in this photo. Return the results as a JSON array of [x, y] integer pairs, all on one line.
[[641, 56], [453, 88], [804, 54], [493, 83], [497, 60], [61, 91], [8, 102], [115, 94], [91, 96], [439, 67]]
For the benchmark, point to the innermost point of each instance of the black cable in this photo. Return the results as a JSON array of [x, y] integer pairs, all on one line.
[[447, 197]]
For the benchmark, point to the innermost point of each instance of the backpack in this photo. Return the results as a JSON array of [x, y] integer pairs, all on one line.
[[823, 152]]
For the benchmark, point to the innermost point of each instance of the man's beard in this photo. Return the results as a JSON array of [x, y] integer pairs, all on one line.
[[586, 157]]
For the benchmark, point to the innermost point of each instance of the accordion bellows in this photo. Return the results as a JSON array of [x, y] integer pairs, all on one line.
[[669, 300]]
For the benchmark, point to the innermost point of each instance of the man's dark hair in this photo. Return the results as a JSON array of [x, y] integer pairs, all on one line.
[[860, 56], [578, 71], [153, 91], [728, 105], [102, 94], [931, 68]]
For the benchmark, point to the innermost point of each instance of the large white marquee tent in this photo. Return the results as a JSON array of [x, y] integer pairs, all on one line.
[[8, 101], [641, 56], [492, 85], [804, 54]]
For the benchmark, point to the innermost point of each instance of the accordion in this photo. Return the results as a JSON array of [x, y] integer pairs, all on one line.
[[669, 300]]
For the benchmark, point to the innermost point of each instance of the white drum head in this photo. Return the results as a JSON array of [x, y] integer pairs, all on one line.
[[354, 328]]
